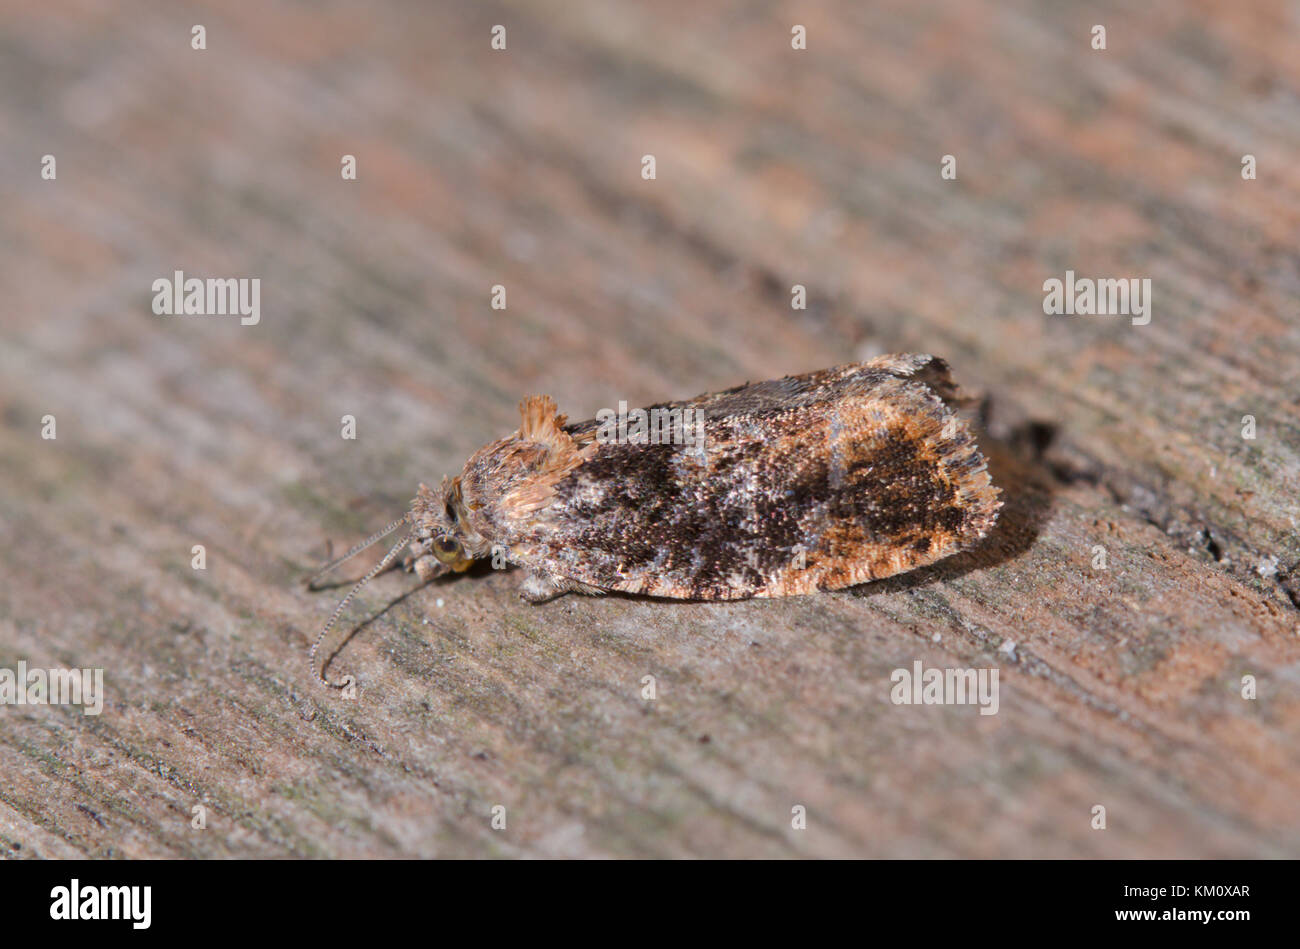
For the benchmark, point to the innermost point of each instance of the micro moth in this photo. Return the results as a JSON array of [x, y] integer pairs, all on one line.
[[811, 482]]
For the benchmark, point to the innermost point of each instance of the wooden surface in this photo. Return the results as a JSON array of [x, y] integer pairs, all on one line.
[[1120, 687]]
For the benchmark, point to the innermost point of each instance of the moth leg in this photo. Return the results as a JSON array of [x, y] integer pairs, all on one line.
[[539, 586], [577, 586], [426, 567]]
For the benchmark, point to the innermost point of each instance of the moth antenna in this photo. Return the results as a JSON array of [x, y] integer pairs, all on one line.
[[375, 571], [374, 538]]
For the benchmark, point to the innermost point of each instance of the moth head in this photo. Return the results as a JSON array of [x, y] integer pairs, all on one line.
[[434, 527], [438, 528]]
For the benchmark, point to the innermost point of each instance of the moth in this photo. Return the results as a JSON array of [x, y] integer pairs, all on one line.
[[811, 482]]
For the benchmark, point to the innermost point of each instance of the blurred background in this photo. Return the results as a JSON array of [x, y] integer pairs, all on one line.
[[482, 171]]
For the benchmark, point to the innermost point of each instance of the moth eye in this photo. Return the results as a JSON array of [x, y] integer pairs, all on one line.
[[446, 548]]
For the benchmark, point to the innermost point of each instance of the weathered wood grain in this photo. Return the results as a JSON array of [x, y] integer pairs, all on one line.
[[1120, 686]]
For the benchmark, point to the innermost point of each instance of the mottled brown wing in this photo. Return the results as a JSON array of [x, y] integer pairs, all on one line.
[[811, 482]]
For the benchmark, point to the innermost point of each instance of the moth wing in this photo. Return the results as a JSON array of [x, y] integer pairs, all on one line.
[[809, 482]]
